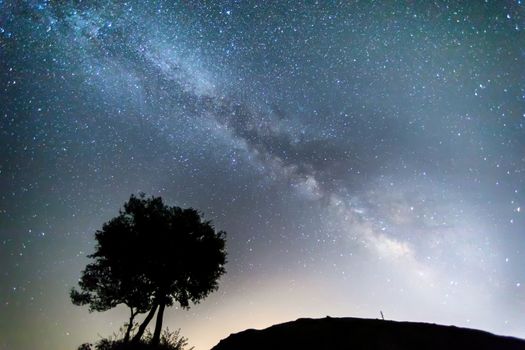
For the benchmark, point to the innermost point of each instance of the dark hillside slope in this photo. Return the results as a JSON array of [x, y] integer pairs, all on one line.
[[370, 334]]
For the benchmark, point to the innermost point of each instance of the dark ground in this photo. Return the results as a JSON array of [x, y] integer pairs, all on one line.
[[371, 334]]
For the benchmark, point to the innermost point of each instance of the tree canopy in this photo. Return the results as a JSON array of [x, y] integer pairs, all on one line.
[[151, 256]]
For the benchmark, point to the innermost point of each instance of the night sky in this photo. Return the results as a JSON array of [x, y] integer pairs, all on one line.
[[361, 155]]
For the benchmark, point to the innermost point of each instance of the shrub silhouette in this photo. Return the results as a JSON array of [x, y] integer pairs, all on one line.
[[150, 256], [169, 340]]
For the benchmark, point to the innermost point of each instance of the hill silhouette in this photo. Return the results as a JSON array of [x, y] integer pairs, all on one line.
[[371, 334]]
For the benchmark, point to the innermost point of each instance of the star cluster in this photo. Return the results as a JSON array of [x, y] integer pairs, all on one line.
[[361, 155]]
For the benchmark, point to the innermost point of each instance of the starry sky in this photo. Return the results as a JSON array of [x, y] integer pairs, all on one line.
[[361, 155]]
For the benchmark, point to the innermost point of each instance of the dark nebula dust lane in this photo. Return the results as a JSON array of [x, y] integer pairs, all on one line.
[[361, 155]]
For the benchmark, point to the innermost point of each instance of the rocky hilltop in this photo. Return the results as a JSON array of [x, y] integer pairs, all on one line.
[[370, 334]]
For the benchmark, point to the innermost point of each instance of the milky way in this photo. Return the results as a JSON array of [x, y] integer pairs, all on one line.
[[361, 155]]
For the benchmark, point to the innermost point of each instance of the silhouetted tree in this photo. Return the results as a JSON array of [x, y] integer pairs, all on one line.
[[153, 255], [183, 257]]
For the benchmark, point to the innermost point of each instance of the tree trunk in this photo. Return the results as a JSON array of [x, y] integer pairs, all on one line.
[[145, 323], [158, 325], [130, 325]]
